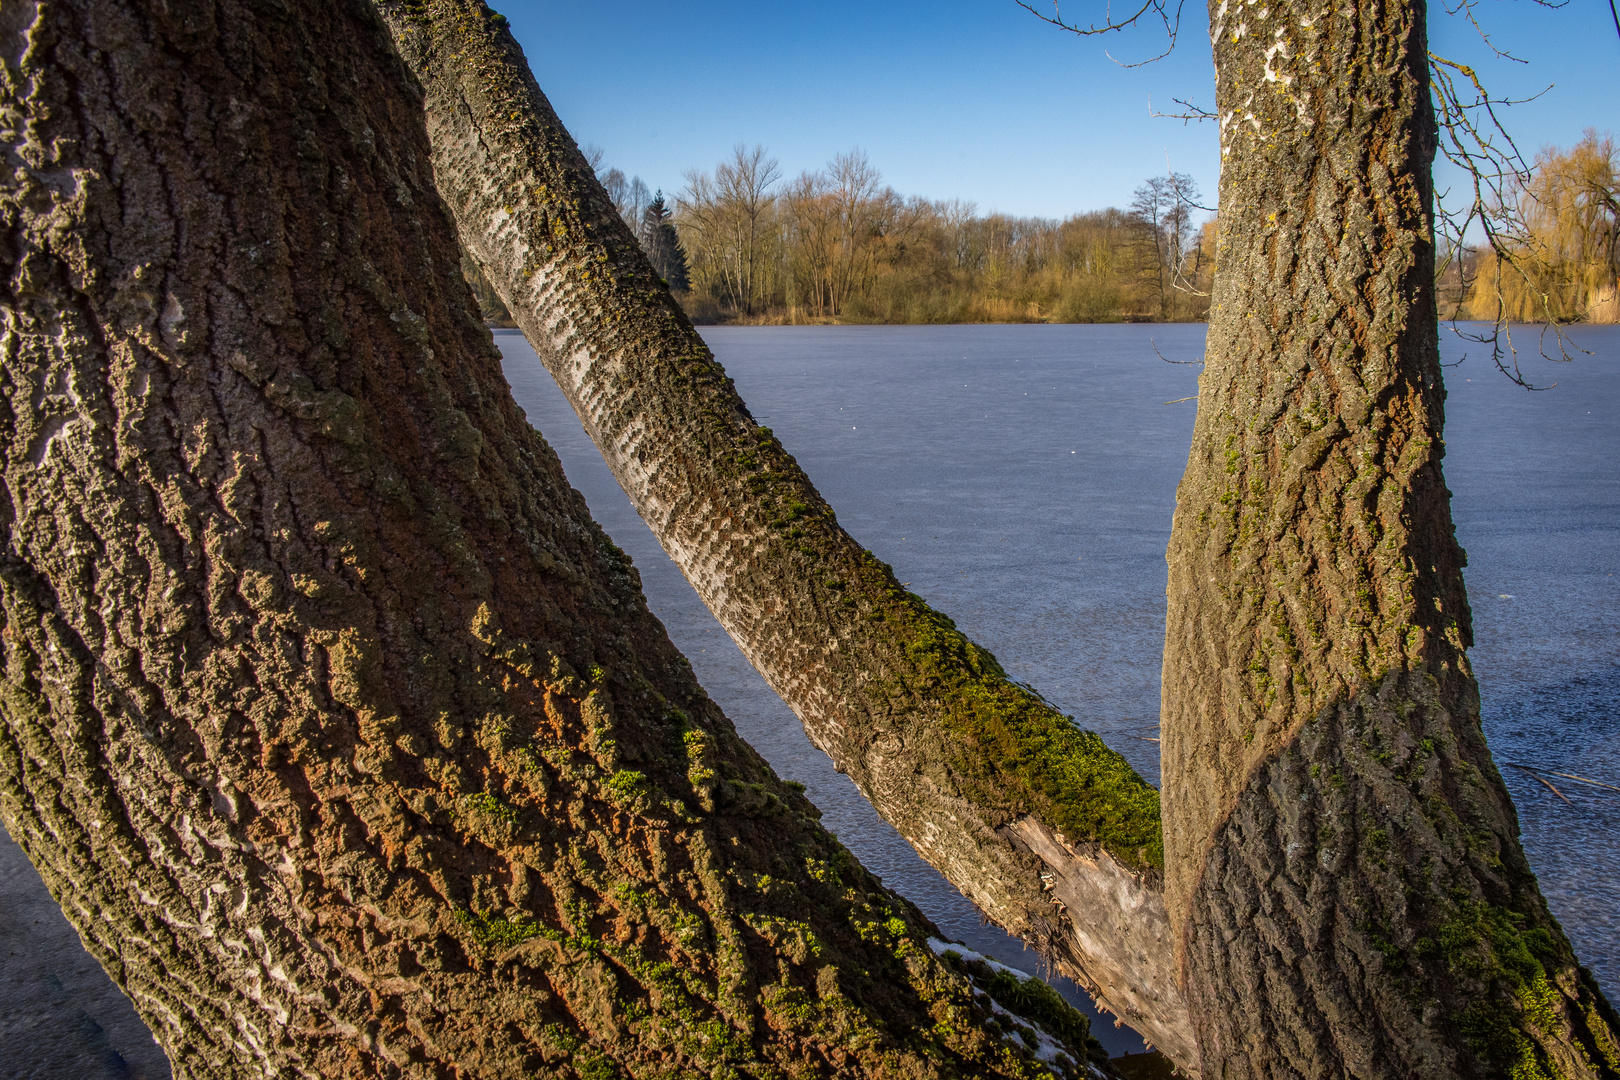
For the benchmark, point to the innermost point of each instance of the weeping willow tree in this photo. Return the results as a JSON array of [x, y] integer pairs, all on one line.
[[1560, 260]]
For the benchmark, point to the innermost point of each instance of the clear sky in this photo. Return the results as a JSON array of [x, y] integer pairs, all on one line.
[[971, 99]]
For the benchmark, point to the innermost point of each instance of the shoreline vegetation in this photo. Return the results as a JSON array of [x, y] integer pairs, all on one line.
[[838, 246], [740, 245]]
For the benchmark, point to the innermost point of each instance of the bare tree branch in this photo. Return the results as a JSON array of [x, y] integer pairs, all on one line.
[[1474, 138], [1466, 8], [1160, 9], [1191, 363], [1193, 112]]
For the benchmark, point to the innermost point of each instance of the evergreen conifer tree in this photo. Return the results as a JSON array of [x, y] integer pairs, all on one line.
[[663, 244]]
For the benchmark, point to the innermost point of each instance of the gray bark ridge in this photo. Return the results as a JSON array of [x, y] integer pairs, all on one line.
[[1344, 872], [928, 726], [342, 735]]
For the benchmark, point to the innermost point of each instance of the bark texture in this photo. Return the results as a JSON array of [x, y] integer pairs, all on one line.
[[1344, 870], [946, 747], [342, 734]]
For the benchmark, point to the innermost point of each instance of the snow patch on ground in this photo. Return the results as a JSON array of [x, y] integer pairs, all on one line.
[[1046, 1049]]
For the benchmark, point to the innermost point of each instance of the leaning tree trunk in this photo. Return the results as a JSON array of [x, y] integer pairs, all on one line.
[[342, 734], [1343, 862], [1048, 831]]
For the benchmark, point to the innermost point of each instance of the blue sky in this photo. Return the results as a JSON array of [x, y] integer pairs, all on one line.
[[971, 99]]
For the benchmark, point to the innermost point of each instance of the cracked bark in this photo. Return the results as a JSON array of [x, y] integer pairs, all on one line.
[[342, 735], [1344, 872], [988, 782]]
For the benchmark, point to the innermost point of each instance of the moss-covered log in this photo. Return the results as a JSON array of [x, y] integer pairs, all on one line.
[[986, 780], [1344, 867], [343, 736]]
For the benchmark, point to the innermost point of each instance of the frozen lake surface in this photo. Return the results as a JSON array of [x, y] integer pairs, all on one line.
[[1021, 479]]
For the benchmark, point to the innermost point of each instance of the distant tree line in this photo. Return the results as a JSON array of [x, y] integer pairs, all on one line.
[[743, 244], [495, 312], [837, 244]]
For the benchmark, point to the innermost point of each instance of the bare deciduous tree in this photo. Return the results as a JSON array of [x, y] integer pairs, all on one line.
[[840, 217], [729, 215], [1164, 206], [630, 196]]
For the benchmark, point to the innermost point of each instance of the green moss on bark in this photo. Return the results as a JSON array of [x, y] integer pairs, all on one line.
[[1015, 751], [1518, 1008]]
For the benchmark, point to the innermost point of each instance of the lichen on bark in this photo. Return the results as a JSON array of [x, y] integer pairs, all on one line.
[[342, 734]]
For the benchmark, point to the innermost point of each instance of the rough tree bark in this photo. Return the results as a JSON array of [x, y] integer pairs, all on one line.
[[1343, 863], [1043, 827], [341, 733]]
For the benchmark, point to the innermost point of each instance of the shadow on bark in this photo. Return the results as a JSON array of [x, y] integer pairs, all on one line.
[[1369, 896]]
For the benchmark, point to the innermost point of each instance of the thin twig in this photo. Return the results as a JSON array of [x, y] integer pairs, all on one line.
[[1166, 359], [1552, 789], [1110, 25], [1536, 773], [1194, 112], [1584, 780]]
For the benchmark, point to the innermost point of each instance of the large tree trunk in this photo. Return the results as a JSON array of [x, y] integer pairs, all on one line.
[[1043, 827], [341, 733], [1343, 863]]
